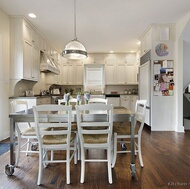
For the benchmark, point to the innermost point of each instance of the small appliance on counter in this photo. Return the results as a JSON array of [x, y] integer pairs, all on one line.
[[29, 93], [56, 91]]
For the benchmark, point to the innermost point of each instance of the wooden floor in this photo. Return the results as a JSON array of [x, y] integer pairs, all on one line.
[[166, 158]]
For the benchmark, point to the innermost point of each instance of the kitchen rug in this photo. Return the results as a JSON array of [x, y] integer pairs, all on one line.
[[4, 147]]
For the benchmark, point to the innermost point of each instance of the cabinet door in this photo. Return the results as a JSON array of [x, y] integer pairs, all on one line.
[[89, 60], [27, 60], [70, 74], [36, 39], [27, 32], [130, 74], [126, 101], [57, 78], [110, 74], [64, 74], [79, 74], [120, 74], [36, 64], [110, 59], [130, 59]]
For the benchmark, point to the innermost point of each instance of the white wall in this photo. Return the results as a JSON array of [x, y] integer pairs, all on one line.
[[180, 28], [4, 72]]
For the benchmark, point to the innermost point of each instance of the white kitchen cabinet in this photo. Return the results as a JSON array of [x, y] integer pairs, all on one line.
[[146, 42], [131, 74], [57, 78], [128, 101], [25, 56], [110, 59], [110, 74], [125, 101], [89, 59], [79, 73], [120, 74], [68, 74], [44, 100], [130, 58]]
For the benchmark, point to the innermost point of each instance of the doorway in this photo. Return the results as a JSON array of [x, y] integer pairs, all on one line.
[[1, 87]]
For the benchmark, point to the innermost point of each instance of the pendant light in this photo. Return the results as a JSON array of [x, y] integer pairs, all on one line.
[[74, 49]]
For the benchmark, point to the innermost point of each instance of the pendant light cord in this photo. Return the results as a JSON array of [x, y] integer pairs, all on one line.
[[75, 20]]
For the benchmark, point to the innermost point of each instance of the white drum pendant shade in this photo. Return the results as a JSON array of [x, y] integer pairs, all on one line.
[[74, 50]]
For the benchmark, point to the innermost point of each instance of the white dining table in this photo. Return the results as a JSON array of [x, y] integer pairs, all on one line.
[[120, 114]]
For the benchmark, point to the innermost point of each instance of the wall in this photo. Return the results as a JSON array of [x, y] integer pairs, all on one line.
[[4, 72], [182, 33]]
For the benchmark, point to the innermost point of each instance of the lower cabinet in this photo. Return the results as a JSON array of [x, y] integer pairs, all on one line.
[[46, 100], [128, 101]]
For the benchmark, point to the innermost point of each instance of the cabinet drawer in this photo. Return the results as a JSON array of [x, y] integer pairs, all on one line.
[[43, 101]]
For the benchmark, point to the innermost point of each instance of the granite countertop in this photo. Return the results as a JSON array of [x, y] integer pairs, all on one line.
[[28, 97], [45, 96]]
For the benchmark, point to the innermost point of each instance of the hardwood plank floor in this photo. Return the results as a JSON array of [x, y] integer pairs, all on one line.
[[166, 158]]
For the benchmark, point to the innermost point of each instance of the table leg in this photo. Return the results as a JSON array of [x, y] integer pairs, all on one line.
[[133, 169], [9, 169]]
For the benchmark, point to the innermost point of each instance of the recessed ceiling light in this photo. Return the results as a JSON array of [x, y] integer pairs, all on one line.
[[138, 43], [132, 51], [111, 51], [32, 15]]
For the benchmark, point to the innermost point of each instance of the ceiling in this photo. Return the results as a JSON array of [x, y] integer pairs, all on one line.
[[101, 25]]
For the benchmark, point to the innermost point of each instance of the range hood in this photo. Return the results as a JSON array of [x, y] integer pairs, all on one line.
[[48, 64]]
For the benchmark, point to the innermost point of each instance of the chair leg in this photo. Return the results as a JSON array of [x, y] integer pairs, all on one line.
[[75, 151], [68, 166], [82, 166], [139, 151], [114, 150], [52, 154], [78, 148], [40, 167], [28, 146], [109, 166], [19, 149]]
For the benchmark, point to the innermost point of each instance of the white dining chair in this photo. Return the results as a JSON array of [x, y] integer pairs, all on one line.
[[61, 101], [98, 100], [24, 131], [59, 137], [93, 138], [122, 134]]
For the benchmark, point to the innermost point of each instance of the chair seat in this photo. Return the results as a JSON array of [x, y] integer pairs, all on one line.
[[74, 127], [95, 139], [124, 130], [30, 131], [57, 139]]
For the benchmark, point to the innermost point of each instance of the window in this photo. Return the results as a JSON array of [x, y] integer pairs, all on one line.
[[94, 75]]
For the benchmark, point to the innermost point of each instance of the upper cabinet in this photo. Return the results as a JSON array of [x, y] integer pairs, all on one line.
[[146, 42], [25, 50], [157, 35], [120, 69]]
